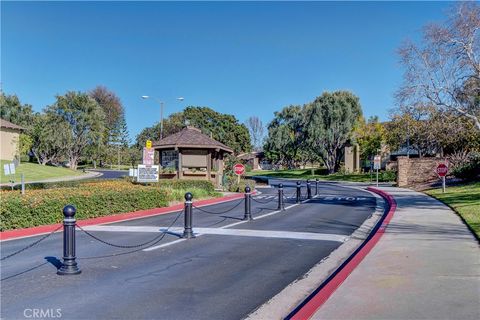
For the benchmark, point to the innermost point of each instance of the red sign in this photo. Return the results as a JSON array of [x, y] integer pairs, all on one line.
[[442, 170], [239, 169]]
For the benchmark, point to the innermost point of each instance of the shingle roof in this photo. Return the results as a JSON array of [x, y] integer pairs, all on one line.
[[190, 137], [7, 124]]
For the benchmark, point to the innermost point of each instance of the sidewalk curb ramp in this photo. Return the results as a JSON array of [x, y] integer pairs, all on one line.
[[318, 297], [35, 231]]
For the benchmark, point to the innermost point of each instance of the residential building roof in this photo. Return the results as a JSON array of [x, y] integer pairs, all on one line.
[[7, 124], [190, 137]]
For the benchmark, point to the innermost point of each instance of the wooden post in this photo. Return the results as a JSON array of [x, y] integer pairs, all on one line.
[[209, 165], [180, 169]]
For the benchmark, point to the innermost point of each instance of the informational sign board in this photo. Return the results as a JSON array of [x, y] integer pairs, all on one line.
[[148, 144], [12, 168], [377, 161], [442, 170], [9, 168], [6, 169], [148, 156], [147, 173], [239, 169]]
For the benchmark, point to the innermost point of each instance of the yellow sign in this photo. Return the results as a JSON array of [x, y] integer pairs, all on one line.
[[148, 144]]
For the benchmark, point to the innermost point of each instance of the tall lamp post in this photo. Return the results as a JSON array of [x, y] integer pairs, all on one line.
[[161, 111]]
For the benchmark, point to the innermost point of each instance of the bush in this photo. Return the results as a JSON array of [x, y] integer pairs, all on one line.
[[387, 176], [92, 199], [470, 169]]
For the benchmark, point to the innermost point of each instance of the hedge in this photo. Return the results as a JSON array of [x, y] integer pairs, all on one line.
[[93, 199]]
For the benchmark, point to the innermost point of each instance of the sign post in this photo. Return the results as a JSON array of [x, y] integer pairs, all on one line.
[[239, 169], [442, 171], [376, 165]]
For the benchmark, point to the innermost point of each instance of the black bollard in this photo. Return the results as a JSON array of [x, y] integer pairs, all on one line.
[[248, 205], [309, 190], [281, 205], [69, 265], [187, 231], [299, 192], [316, 186]]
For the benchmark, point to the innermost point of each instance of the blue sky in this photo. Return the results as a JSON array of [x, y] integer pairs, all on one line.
[[243, 58]]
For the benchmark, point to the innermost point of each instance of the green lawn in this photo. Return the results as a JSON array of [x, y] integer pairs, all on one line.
[[307, 174], [464, 199], [35, 172]]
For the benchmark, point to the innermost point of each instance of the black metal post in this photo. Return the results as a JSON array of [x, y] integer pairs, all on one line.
[[248, 204], [69, 265], [316, 186], [187, 231], [309, 190], [281, 205], [299, 192]]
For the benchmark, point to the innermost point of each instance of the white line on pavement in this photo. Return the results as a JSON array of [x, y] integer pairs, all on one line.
[[229, 232]]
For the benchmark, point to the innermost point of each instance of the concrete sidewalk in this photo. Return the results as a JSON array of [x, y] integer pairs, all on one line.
[[426, 266]]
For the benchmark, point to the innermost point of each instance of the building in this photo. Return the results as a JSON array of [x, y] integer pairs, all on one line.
[[352, 158], [9, 140], [190, 154], [256, 160]]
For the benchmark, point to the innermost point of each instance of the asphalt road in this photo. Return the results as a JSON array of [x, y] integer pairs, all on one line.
[[111, 174], [230, 268]]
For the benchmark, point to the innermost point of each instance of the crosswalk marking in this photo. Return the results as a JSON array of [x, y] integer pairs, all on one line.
[[227, 232]]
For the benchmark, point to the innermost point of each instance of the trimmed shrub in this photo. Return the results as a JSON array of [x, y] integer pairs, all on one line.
[[92, 199], [469, 170]]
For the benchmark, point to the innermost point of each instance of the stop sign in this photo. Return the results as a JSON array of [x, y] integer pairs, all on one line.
[[442, 170], [239, 169]]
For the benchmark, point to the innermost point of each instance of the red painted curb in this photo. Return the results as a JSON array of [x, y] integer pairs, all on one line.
[[309, 309], [34, 231]]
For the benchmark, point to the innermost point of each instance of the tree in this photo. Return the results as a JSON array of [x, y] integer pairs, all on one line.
[[255, 127], [50, 139], [85, 121], [224, 128], [444, 70], [369, 135], [115, 137], [11, 109], [328, 124], [430, 131], [285, 140]]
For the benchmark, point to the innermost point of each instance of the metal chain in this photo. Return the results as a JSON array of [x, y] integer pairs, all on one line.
[[222, 212], [32, 244], [162, 235], [126, 246], [263, 202]]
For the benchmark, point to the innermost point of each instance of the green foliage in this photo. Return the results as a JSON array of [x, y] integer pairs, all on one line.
[[370, 136], [329, 122], [224, 128], [25, 144], [185, 184], [469, 170], [285, 143], [92, 199], [11, 109], [84, 121], [317, 131]]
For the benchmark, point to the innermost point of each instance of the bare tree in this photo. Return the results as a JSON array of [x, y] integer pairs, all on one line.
[[444, 70], [255, 127]]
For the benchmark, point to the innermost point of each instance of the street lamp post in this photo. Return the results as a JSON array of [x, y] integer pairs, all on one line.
[[161, 111]]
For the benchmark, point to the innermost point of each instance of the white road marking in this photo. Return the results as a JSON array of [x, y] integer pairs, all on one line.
[[229, 232], [177, 229]]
